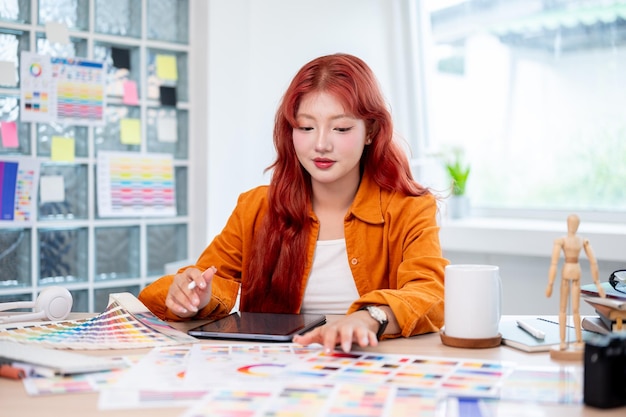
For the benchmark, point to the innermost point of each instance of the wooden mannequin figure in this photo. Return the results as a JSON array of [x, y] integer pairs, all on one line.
[[571, 245]]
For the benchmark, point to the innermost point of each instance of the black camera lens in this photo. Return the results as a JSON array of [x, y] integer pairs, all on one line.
[[605, 371]]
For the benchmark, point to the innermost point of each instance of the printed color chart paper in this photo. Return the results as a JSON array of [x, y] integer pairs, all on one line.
[[55, 89], [316, 399], [125, 324], [18, 182], [175, 375], [292, 380], [132, 184], [77, 383]]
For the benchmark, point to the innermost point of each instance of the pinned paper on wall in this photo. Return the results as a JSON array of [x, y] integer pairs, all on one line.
[[130, 131], [131, 97], [62, 149], [8, 178], [133, 184], [57, 32], [9, 134], [167, 129], [57, 89], [38, 97], [18, 179], [52, 189], [8, 73], [166, 67]]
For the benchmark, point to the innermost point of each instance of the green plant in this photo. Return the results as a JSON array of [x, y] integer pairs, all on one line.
[[458, 171]]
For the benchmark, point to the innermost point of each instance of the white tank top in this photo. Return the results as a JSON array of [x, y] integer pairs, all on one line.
[[330, 288]]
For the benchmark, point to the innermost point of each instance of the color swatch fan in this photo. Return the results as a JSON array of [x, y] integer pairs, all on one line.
[[125, 324]]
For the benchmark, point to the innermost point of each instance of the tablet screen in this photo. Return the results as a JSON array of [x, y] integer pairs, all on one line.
[[259, 326]]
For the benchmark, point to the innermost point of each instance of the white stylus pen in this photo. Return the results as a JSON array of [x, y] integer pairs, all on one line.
[[536, 333], [192, 284]]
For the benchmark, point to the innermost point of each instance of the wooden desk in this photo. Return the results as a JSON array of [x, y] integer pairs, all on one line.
[[14, 402]]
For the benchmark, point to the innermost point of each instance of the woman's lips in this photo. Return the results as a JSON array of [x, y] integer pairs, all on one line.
[[323, 163]]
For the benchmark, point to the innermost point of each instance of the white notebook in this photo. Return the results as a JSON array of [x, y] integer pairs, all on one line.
[[59, 362], [514, 336]]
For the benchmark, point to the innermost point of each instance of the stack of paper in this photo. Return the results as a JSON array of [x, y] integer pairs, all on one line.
[[611, 309]]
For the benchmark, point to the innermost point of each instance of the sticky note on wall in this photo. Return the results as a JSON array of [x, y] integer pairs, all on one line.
[[130, 98], [167, 96], [121, 58], [8, 73], [166, 67], [57, 32], [9, 134], [167, 129], [52, 189], [130, 131], [62, 149]]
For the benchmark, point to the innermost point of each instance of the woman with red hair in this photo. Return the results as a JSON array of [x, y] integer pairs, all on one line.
[[342, 228]]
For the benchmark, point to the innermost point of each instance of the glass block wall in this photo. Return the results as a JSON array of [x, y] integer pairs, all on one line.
[[68, 243]]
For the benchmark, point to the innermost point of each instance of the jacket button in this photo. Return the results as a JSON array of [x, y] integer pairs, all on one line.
[[354, 261]]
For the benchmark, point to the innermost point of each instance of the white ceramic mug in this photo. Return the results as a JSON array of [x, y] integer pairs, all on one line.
[[473, 298]]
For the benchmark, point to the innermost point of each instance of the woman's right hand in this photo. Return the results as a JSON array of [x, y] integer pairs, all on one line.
[[190, 291]]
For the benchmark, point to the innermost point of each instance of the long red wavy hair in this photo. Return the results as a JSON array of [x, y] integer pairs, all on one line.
[[273, 280]]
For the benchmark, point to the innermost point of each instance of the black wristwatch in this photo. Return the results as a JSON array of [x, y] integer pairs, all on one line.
[[380, 316]]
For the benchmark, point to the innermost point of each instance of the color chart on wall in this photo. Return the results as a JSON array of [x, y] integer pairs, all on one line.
[[131, 184], [55, 89], [18, 182]]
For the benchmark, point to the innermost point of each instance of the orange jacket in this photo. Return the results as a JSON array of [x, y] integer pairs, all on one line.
[[393, 250]]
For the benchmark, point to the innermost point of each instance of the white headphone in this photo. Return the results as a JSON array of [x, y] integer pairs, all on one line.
[[53, 303]]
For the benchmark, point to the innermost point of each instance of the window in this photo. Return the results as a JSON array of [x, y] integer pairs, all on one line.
[[533, 92], [68, 242]]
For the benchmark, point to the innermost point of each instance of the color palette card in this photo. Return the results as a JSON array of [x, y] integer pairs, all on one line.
[[125, 324]]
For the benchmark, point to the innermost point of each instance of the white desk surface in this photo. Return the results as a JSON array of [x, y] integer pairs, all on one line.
[[14, 402]]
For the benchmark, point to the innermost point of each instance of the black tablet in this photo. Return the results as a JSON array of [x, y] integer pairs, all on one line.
[[271, 327]]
